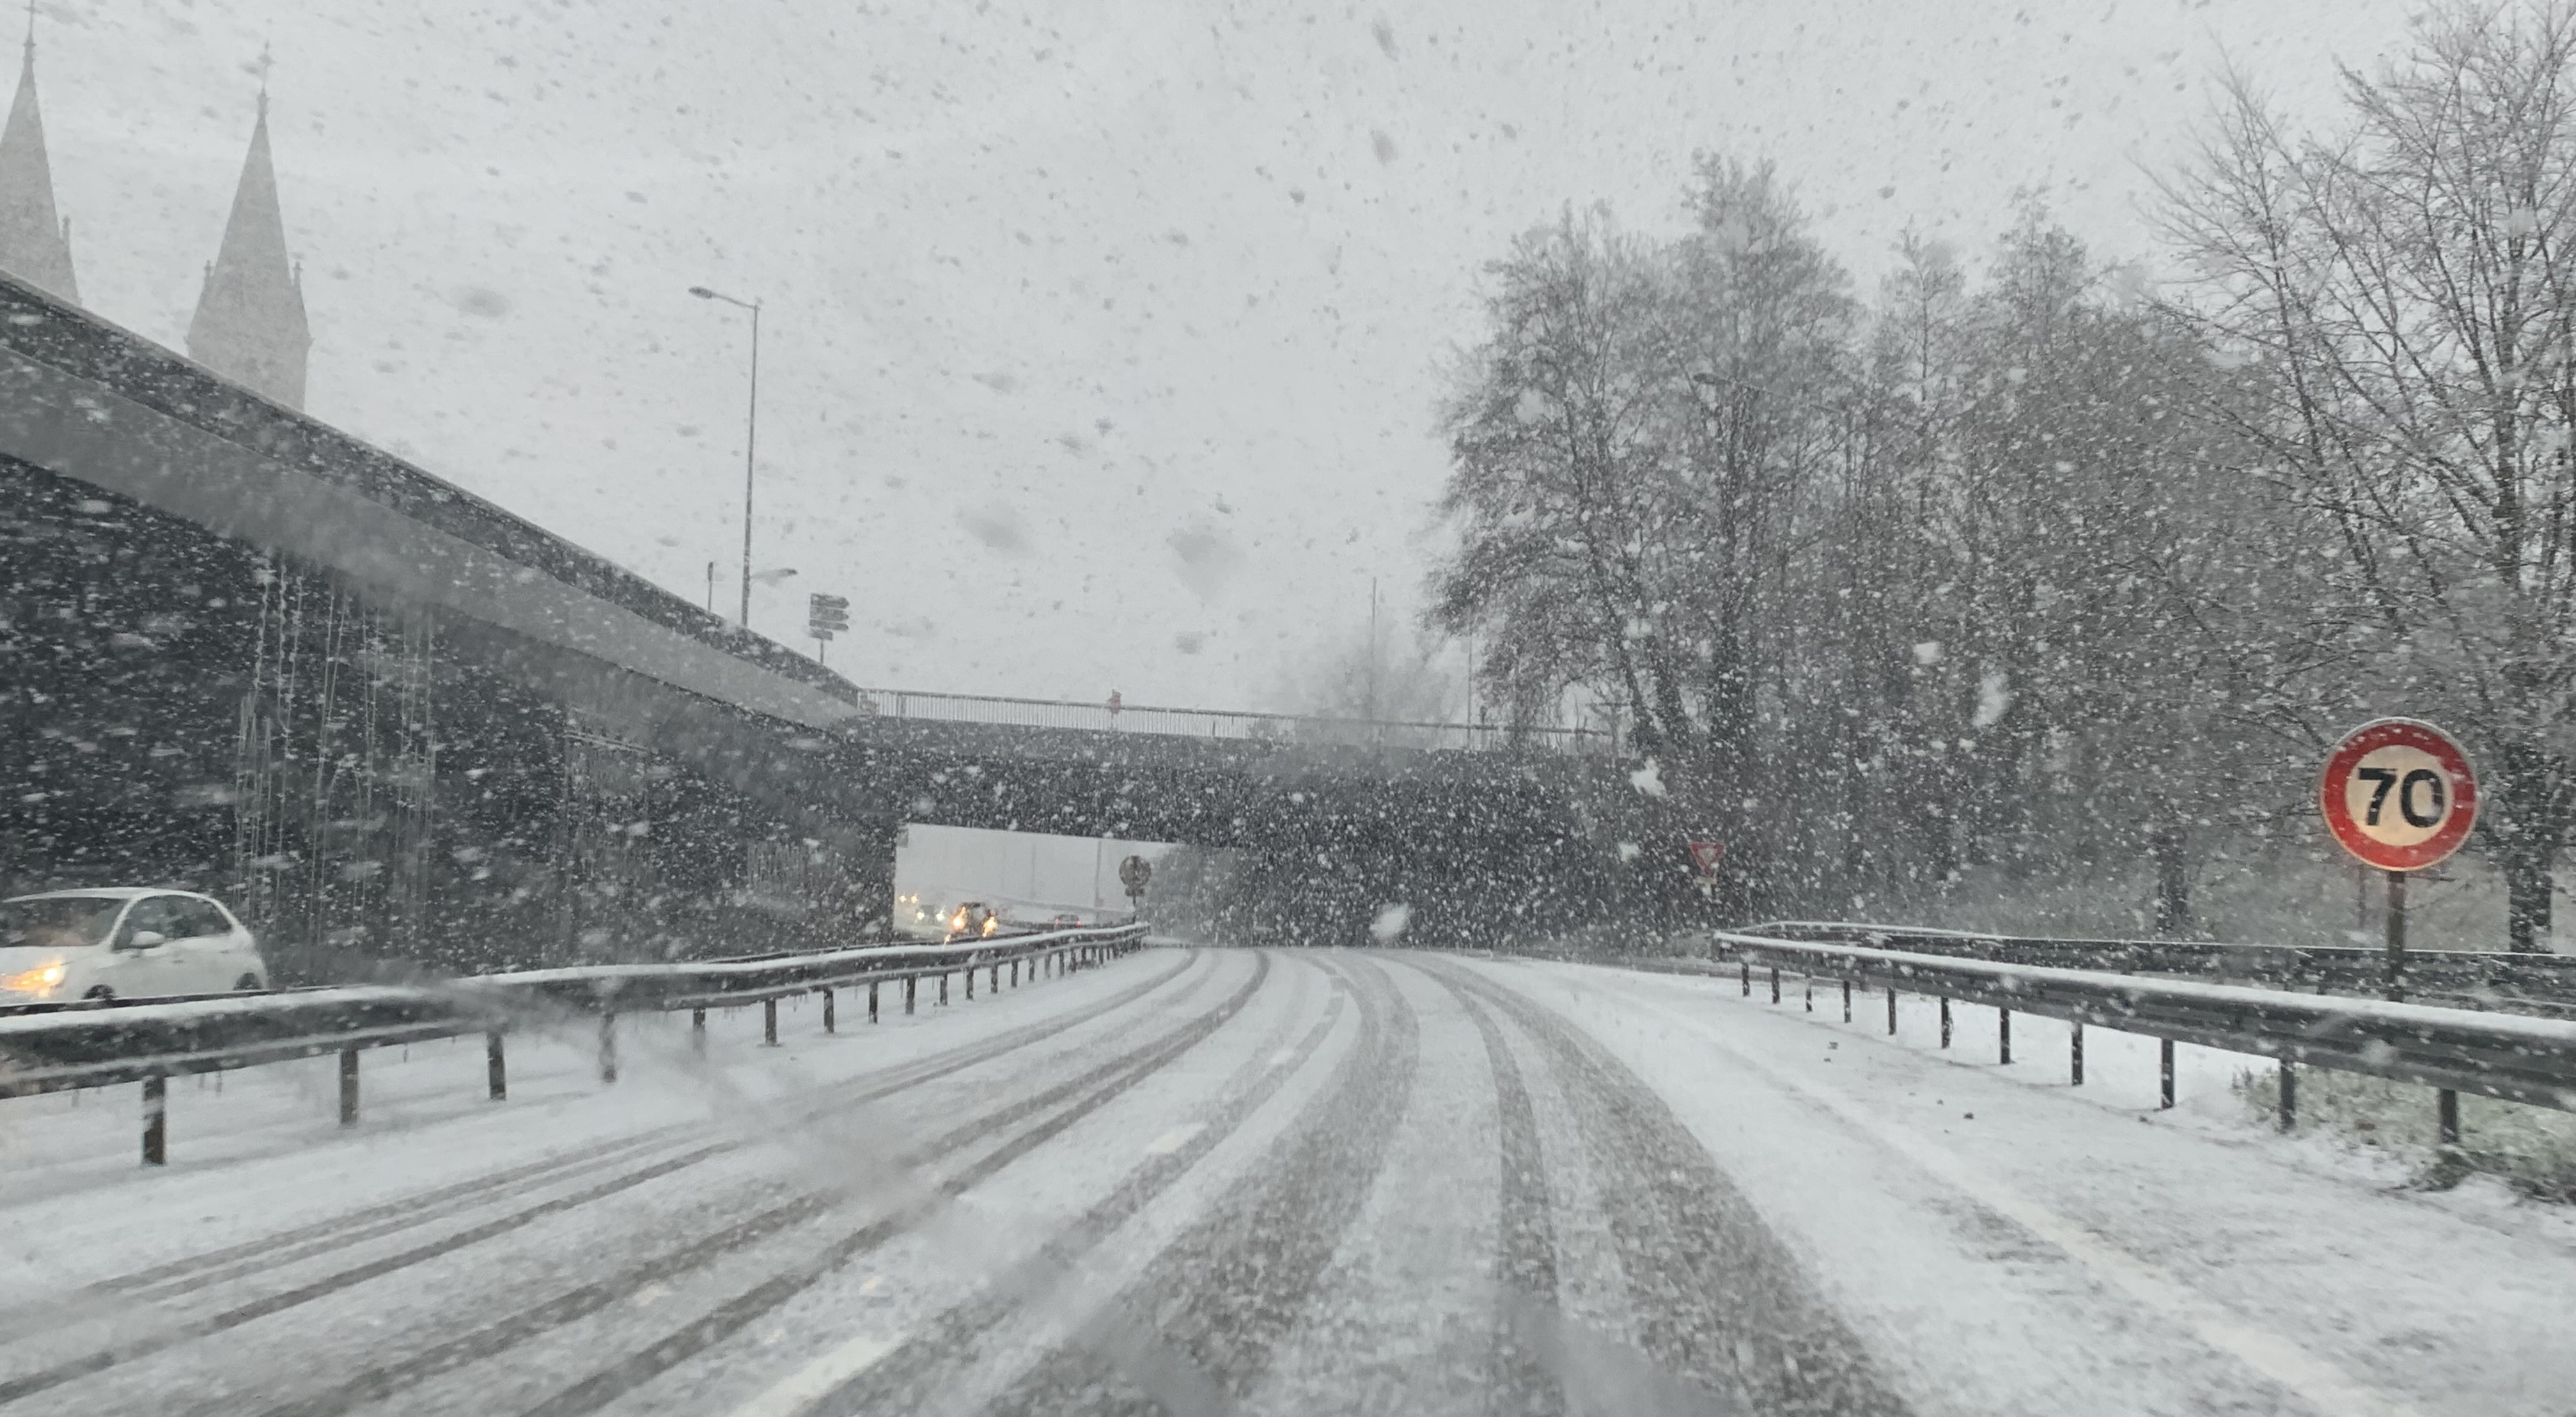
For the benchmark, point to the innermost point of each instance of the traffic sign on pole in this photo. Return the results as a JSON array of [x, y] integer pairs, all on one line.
[[2399, 794], [1704, 857], [1133, 873], [826, 616]]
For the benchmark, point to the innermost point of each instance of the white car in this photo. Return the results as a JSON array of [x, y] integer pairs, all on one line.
[[122, 943]]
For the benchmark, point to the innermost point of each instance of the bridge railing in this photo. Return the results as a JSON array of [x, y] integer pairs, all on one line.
[[1111, 717]]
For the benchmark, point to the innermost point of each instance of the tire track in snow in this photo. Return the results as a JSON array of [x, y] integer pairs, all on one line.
[[910, 1375], [193, 1272], [355, 1226], [1198, 1329], [1525, 1263], [2285, 1365], [189, 1273], [837, 1096], [1719, 1300], [99, 1360], [730, 1317]]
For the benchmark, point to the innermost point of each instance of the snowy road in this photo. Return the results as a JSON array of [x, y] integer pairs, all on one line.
[[1263, 1182]]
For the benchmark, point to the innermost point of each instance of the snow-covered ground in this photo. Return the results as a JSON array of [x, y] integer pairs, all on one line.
[[1268, 1182], [2006, 1242]]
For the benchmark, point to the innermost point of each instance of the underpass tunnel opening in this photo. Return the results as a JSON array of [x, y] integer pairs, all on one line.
[[951, 880]]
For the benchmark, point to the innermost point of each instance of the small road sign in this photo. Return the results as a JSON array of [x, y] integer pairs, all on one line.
[[1134, 872], [1705, 855], [2399, 794], [827, 615]]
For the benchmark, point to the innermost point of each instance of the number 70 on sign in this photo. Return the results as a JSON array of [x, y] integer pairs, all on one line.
[[2399, 794]]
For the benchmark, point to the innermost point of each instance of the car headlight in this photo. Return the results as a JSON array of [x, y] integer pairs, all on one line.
[[43, 979]]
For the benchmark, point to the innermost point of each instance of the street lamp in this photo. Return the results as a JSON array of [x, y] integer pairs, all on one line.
[[750, 433]]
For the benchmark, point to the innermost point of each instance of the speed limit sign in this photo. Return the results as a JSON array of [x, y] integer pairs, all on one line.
[[2399, 794]]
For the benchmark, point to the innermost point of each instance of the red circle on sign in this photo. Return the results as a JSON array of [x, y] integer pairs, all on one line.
[[2334, 796]]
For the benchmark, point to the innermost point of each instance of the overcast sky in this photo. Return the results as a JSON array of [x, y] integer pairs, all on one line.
[[1103, 341]]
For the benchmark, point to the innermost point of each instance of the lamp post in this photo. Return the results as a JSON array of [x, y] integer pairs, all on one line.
[[750, 434]]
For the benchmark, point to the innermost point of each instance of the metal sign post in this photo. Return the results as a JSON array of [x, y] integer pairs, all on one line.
[[2400, 795], [825, 616]]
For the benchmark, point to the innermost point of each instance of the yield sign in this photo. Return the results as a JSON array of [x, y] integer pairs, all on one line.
[[1705, 855]]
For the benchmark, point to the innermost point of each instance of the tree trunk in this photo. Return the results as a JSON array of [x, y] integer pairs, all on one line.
[[2528, 884], [2531, 825], [2173, 880]]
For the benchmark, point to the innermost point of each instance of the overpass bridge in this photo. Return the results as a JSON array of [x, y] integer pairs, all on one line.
[[388, 719]]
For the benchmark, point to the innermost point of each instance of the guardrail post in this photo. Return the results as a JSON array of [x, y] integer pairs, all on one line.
[[827, 1011], [698, 1029], [943, 988], [995, 982], [970, 981], [1846, 1001], [348, 1087], [1811, 993], [911, 985], [769, 1023], [2287, 1112], [1945, 1020], [1744, 971], [872, 1001], [496, 1068], [1775, 983], [2075, 1055], [608, 1045], [2165, 1069], [2003, 1037], [156, 1117], [1891, 1011], [2446, 1118], [1015, 972]]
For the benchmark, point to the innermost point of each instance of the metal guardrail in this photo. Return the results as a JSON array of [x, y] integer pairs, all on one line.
[[2541, 984], [77, 1006], [86, 1044], [2509, 1056], [1104, 717]]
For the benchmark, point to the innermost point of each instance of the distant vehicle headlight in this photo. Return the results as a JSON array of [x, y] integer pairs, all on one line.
[[43, 979]]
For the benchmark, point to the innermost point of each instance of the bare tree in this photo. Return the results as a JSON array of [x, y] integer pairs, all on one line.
[[1560, 477], [2407, 285]]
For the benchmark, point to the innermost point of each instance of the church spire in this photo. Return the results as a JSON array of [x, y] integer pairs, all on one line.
[[35, 243], [249, 325]]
